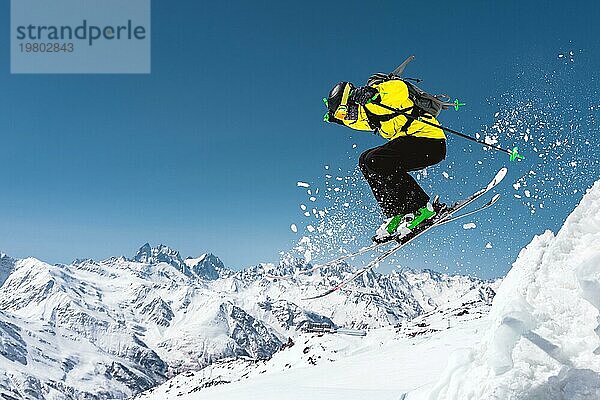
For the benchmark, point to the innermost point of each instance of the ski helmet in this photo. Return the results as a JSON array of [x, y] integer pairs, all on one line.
[[337, 102]]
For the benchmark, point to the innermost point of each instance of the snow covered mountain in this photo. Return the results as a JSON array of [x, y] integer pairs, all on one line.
[[117, 327], [540, 341]]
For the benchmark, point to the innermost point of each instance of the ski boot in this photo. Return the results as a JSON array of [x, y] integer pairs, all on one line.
[[401, 225]]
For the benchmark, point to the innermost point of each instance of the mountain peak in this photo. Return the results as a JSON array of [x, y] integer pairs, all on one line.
[[7, 265], [155, 255], [207, 266]]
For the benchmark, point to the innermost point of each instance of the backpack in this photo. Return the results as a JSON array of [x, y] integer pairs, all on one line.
[[424, 102]]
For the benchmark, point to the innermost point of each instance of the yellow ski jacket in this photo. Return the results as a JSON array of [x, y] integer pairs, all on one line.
[[394, 93]]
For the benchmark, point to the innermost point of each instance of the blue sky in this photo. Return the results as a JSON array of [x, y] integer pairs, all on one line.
[[204, 153]]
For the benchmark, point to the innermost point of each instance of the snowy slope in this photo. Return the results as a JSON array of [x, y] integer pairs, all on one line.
[[120, 326], [544, 338], [384, 365]]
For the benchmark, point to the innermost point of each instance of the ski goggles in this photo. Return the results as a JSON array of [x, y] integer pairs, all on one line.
[[341, 111]]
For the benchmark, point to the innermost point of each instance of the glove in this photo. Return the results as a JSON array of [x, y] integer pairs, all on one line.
[[363, 95]]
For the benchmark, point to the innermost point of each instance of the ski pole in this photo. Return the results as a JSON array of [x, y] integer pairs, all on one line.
[[514, 153]]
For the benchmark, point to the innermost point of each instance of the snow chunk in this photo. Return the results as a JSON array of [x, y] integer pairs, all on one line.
[[470, 225], [302, 184], [294, 228], [490, 140], [488, 245]]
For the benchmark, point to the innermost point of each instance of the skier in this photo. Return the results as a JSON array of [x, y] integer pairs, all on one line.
[[412, 145]]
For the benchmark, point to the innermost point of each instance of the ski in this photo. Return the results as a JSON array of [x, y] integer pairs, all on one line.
[[375, 246], [445, 217], [490, 203]]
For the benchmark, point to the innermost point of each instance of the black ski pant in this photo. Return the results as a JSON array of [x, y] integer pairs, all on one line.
[[386, 170]]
